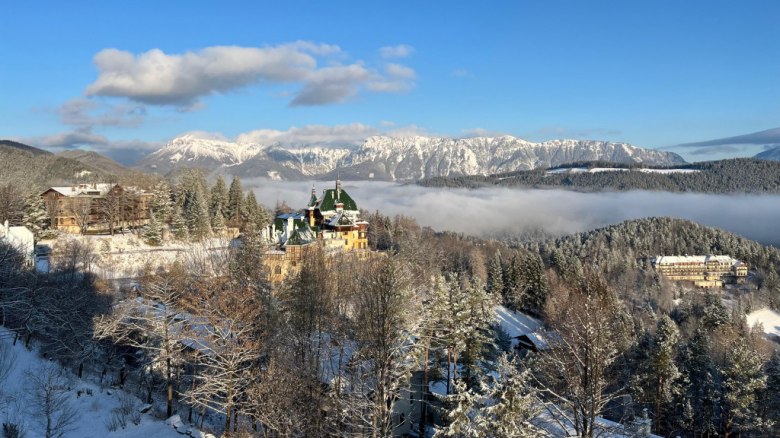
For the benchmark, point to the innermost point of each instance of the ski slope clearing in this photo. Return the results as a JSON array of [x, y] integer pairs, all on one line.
[[769, 319]]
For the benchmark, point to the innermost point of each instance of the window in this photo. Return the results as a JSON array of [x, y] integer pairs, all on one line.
[[278, 270], [346, 243]]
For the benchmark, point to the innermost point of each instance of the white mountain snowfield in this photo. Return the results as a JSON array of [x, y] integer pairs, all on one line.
[[94, 405], [392, 158]]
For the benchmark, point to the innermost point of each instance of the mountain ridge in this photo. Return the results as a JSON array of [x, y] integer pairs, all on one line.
[[392, 158]]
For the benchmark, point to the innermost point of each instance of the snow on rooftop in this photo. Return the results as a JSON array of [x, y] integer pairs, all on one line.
[[514, 323], [668, 260]]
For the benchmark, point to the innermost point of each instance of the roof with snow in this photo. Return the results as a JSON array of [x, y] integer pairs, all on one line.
[[515, 324], [697, 259], [100, 189]]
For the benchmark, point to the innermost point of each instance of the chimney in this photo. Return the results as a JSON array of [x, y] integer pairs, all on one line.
[[289, 230]]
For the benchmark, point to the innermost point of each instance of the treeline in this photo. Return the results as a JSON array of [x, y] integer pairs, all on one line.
[[191, 210], [187, 210], [740, 175]]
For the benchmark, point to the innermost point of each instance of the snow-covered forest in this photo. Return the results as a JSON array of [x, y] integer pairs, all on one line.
[[434, 333]]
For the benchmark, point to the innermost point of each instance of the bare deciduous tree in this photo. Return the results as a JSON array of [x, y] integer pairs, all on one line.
[[577, 373], [49, 401]]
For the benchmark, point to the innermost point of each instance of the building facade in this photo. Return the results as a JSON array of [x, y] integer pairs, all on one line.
[[96, 208], [704, 271], [332, 222]]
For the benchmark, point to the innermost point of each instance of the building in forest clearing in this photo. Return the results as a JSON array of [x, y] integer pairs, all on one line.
[[331, 221], [708, 271], [96, 207]]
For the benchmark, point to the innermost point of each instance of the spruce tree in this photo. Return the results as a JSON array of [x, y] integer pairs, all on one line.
[[234, 211], [153, 233], [743, 378], [178, 224], [702, 382], [161, 202], [662, 363], [534, 283], [495, 277], [36, 218], [770, 397], [219, 198], [255, 212], [196, 213]]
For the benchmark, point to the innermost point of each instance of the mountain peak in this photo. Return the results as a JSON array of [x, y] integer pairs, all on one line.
[[394, 158]]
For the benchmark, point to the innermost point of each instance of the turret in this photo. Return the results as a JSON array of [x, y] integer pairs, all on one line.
[[338, 188]]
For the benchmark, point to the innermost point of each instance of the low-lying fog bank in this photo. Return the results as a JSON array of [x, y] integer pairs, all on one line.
[[495, 211]]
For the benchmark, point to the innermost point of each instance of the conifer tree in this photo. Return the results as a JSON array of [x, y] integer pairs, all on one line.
[[35, 218], [161, 202], [534, 283], [662, 362], [701, 376], [219, 199], [255, 212], [218, 222], [178, 224], [495, 278], [770, 397], [235, 203], [196, 214], [743, 378], [153, 233]]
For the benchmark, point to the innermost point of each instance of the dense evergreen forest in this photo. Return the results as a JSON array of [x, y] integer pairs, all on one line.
[[334, 349], [739, 175]]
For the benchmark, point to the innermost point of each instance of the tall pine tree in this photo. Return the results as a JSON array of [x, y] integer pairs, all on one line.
[[234, 211]]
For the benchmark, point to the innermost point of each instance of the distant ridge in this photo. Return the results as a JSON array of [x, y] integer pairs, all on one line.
[[392, 158], [769, 154], [23, 147]]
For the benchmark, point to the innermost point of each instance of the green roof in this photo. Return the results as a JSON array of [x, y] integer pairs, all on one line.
[[329, 200], [312, 201]]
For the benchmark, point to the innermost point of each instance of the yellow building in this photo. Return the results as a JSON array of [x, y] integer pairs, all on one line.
[[704, 271], [331, 221]]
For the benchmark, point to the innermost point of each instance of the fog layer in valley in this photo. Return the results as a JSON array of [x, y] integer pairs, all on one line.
[[501, 211]]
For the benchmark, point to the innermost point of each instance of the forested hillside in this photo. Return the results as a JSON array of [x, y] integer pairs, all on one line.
[[334, 349], [741, 175]]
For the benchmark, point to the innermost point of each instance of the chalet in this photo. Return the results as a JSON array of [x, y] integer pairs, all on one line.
[[103, 207]]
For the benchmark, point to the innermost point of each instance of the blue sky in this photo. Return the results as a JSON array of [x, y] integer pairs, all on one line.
[[125, 77]]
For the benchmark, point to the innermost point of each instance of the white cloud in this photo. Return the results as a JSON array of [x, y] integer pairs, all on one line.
[[353, 133], [398, 78], [399, 51], [481, 132], [158, 78]]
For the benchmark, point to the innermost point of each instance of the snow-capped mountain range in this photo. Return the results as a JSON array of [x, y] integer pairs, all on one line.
[[392, 158]]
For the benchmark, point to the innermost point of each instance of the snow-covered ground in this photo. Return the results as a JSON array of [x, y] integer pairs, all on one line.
[[767, 318], [515, 324], [94, 405], [616, 169], [125, 255]]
